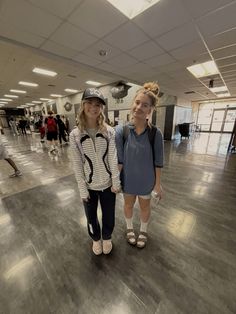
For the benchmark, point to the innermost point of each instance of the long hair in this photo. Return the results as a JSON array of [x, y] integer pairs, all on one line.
[[151, 89], [81, 120]]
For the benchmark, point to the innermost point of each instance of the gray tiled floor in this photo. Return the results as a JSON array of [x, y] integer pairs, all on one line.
[[188, 266]]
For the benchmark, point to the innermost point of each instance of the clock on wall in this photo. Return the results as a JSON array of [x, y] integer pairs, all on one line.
[[68, 106]]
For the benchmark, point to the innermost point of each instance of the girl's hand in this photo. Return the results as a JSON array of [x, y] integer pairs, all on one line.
[[86, 199], [159, 191], [115, 190]]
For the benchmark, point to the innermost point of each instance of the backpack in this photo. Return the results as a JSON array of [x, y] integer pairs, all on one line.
[[51, 125], [151, 136]]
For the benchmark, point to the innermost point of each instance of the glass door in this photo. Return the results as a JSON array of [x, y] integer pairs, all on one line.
[[229, 120], [217, 120]]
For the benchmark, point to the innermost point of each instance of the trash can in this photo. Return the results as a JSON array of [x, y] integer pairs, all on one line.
[[184, 129]]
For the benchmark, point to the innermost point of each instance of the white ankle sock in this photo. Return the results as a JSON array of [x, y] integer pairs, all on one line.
[[143, 227], [129, 222]]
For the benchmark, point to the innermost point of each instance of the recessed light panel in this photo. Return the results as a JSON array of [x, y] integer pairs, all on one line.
[[203, 69], [132, 8], [44, 72], [93, 83], [18, 91], [28, 84], [11, 96], [69, 90]]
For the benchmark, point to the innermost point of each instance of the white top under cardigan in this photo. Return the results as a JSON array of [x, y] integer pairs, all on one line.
[[94, 162]]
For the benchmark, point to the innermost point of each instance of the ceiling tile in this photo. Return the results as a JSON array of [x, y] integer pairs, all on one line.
[[226, 62], [201, 7], [178, 37], [224, 52], [70, 36], [97, 17], [221, 39], [121, 61], [15, 33], [218, 21], [162, 17], [58, 49], [189, 51], [28, 18], [145, 51], [94, 49], [59, 8], [160, 60], [82, 58], [126, 37]]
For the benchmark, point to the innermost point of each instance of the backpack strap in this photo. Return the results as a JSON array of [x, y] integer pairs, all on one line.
[[126, 132], [151, 135]]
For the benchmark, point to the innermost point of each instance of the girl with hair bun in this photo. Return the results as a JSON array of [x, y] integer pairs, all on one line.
[[140, 159]]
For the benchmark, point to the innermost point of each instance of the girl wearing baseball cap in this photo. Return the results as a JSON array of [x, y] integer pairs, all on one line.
[[94, 158]]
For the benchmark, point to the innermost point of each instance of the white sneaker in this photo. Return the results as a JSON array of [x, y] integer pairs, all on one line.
[[106, 246], [97, 247]]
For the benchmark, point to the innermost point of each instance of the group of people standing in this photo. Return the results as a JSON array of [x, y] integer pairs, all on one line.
[[54, 128], [106, 162]]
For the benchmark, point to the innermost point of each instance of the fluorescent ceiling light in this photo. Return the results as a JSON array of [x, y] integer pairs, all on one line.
[[69, 90], [93, 83], [203, 69], [36, 102], [5, 99], [18, 91], [3, 102], [11, 96], [19, 107], [29, 104], [223, 95], [132, 8], [219, 89], [44, 72], [55, 95], [28, 84], [45, 99]]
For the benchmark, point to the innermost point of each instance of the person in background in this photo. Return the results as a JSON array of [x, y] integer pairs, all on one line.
[[4, 155], [94, 158], [67, 124], [22, 125], [140, 161], [13, 126], [62, 129], [41, 128], [51, 129]]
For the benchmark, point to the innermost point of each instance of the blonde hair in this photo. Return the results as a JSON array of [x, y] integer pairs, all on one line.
[[81, 120], [151, 89]]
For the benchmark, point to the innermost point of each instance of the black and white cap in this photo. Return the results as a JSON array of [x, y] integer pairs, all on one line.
[[93, 93]]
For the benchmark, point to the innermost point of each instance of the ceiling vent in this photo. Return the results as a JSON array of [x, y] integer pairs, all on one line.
[[51, 85], [190, 92], [71, 75]]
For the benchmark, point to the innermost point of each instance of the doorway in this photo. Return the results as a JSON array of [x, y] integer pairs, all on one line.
[[223, 120]]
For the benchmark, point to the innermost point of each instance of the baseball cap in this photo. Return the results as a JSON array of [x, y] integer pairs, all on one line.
[[93, 93]]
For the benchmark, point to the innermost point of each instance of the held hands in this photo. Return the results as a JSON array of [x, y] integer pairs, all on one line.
[[86, 199], [115, 190]]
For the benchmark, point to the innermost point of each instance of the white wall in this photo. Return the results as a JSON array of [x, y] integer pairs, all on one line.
[[123, 105]]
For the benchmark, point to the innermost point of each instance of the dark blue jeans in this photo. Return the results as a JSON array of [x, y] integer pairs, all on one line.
[[107, 201]]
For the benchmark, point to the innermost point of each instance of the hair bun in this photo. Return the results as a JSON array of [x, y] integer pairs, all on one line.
[[153, 87]]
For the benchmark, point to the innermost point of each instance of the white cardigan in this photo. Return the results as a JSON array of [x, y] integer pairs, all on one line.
[[95, 163]]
